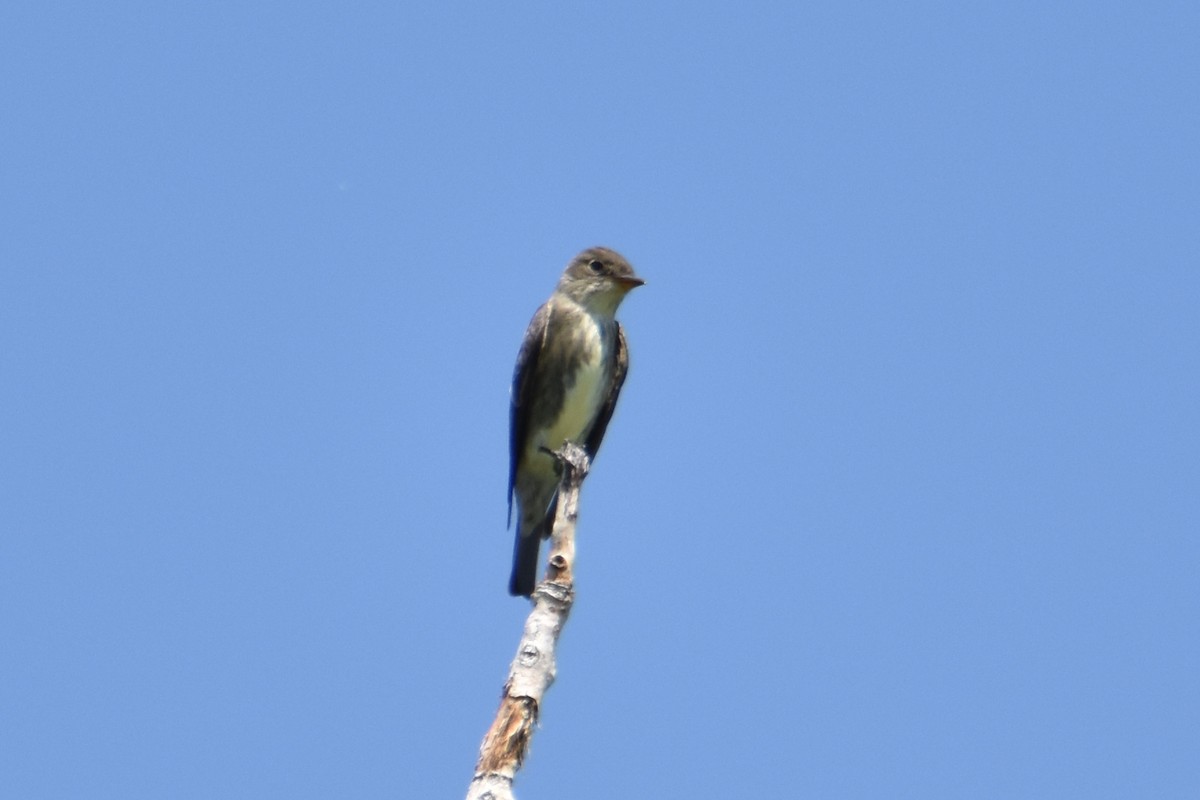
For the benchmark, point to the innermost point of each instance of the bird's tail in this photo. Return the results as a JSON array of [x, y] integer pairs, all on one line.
[[525, 561], [530, 532]]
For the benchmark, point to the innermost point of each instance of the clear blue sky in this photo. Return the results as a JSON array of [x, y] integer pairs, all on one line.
[[902, 499]]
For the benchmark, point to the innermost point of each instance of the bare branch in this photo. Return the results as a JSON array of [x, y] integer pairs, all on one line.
[[507, 741]]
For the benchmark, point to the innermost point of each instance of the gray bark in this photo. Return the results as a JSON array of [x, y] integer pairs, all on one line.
[[533, 670]]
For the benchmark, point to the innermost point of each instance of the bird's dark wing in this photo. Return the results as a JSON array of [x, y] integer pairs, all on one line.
[[522, 392], [620, 367]]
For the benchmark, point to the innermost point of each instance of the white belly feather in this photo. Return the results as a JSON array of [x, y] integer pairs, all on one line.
[[584, 397], [579, 408]]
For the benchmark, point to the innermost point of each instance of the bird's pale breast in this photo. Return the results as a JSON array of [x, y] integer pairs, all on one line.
[[582, 400]]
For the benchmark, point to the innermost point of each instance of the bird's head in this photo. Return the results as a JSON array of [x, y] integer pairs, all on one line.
[[599, 279]]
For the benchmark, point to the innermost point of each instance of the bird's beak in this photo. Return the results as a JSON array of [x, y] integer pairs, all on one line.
[[628, 283]]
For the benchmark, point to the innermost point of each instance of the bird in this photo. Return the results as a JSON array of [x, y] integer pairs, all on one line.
[[569, 372]]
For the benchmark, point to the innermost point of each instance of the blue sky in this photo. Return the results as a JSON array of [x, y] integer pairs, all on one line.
[[901, 499]]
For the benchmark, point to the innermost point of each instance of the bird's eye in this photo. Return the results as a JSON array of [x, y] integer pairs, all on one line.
[[596, 266]]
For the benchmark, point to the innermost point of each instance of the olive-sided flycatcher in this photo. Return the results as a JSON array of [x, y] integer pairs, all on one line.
[[569, 372]]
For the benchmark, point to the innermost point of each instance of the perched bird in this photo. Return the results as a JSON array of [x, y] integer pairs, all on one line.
[[569, 372]]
